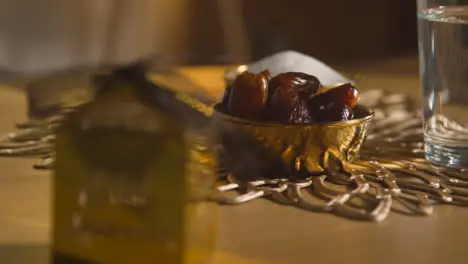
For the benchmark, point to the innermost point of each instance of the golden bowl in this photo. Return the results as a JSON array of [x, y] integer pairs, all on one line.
[[279, 150]]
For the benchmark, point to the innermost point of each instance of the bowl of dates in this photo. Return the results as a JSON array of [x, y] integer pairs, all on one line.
[[290, 125]]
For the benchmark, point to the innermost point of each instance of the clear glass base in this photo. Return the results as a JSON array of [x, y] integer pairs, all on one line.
[[446, 155]]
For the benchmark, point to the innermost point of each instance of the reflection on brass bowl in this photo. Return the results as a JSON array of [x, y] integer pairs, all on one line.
[[293, 149], [279, 150]]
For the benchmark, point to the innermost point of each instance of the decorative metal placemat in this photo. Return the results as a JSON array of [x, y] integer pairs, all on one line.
[[390, 175]]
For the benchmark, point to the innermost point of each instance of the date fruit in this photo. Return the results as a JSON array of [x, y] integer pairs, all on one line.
[[248, 95], [288, 97], [300, 82], [289, 106], [345, 94], [334, 113]]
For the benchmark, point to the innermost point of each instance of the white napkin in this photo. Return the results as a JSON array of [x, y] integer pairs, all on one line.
[[288, 61]]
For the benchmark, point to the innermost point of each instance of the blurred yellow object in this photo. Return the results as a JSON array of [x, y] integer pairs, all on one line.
[[132, 184]]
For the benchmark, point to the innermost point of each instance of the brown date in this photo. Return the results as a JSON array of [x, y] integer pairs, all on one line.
[[300, 82], [334, 112], [301, 114], [335, 104], [289, 106], [345, 94], [288, 97], [248, 95], [266, 73]]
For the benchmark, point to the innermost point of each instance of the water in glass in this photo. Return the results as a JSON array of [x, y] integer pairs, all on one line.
[[443, 47]]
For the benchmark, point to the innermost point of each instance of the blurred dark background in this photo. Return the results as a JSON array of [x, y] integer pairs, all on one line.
[[335, 30]]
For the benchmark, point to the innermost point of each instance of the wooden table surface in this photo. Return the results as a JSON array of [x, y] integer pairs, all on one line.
[[257, 232]]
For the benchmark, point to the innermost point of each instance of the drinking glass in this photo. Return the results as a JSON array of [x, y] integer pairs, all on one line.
[[443, 54]]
